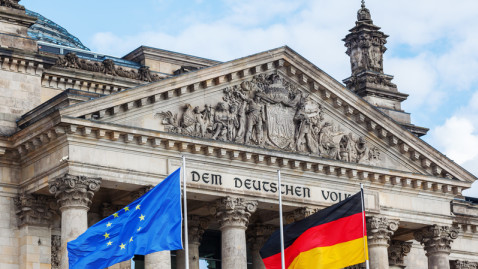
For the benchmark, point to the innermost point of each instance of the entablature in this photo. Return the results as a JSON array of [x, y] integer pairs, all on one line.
[[159, 140]]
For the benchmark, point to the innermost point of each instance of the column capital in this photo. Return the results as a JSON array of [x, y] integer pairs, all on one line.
[[74, 191], [299, 214], [258, 234], [232, 211], [436, 238], [459, 264], [380, 229], [197, 225], [397, 251], [33, 209]]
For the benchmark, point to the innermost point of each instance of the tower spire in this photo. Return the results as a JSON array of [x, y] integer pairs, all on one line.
[[366, 45]]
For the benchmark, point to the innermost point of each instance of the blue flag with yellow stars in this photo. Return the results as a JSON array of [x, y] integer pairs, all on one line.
[[149, 224]]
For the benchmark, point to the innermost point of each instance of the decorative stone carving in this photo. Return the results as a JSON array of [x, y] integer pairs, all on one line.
[[270, 112], [72, 191], [258, 234], [299, 214], [12, 4], [235, 212], [142, 191], [397, 251], [380, 229], [436, 239], [33, 209], [197, 225], [459, 264], [55, 251], [71, 60]]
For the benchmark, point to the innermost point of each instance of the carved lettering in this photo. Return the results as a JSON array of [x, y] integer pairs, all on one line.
[[216, 179], [205, 177], [247, 184], [195, 176], [237, 182]]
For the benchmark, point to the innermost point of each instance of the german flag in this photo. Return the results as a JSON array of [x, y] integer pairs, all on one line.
[[331, 238]]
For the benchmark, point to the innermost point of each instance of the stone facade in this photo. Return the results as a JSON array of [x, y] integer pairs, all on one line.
[[69, 158]]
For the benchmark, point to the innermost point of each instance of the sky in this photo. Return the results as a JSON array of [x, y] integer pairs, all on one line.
[[432, 48]]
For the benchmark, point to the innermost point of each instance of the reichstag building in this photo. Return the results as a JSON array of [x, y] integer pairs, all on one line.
[[83, 134]]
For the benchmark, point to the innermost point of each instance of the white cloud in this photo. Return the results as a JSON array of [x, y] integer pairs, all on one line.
[[458, 138]]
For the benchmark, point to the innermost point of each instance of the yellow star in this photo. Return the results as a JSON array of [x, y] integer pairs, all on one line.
[[131, 239], [106, 235], [126, 209], [141, 217], [139, 229], [109, 243], [115, 214], [108, 224], [138, 207], [122, 246]]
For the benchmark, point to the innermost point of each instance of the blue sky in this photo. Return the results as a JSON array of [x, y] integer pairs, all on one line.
[[432, 48]]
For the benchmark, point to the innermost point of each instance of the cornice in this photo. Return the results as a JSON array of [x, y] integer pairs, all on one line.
[[305, 74], [138, 137]]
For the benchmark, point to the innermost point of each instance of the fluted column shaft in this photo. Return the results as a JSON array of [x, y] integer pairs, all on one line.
[[257, 236], [379, 231], [158, 260], [74, 195], [233, 216], [197, 226], [436, 241]]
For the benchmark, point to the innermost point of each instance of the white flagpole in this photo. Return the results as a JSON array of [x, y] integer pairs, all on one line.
[[186, 243], [364, 227], [282, 257]]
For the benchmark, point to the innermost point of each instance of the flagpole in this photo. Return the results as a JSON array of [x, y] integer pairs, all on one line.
[[186, 243], [282, 257], [364, 227]]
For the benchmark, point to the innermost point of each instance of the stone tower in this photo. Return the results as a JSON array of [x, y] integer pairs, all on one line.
[[366, 45]]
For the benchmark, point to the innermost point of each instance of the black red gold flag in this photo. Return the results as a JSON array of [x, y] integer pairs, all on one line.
[[331, 238]]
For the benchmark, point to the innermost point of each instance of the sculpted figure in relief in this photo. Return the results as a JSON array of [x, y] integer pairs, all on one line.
[[221, 119], [107, 66], [271, 112]]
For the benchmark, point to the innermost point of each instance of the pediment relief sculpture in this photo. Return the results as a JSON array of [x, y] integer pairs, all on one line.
[[270, 112]]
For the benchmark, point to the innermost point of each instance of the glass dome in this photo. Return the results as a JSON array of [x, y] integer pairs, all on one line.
[[48, 31]]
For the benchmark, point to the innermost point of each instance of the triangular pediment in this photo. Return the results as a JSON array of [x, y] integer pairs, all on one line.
[[273, 100]]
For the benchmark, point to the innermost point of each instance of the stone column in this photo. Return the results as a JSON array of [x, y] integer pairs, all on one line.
[[197, 226], [34, 218], [379, 231], [257, 235], [459, 264], [436, 241], [233, 215], [396, 252], [74, 195], [158, 260]]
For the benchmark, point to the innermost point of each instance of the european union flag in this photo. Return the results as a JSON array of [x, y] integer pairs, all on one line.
[[149, 224]]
